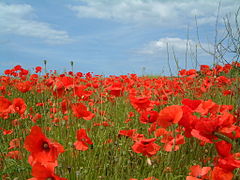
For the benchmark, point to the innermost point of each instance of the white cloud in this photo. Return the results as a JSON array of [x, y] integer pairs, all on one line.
[[159, 47], [164, 13], [17, 19]]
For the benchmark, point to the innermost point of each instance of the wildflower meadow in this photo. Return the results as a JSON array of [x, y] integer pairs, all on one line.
[[80, 126]]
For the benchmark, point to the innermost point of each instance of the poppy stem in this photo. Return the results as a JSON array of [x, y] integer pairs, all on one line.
[[223, 137]]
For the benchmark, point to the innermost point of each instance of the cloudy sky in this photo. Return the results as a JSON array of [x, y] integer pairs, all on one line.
[[109, 36]]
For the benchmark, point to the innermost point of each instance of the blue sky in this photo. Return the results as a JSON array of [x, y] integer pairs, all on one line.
[[107, 36]]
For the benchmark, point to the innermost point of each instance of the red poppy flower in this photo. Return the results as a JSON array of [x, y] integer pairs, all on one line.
[[137, 137], [205, 107], [6, 132], [228, 92], [182, 72], [3, 90], [19, 105], [152, 128], [127, 133], [223, 80], [218, 69], [81, 92], [24, 86], [198, 173], [82, 140], [4, 104], [223, 148], [229, 163], [4, 107], [80, 111], [38, 69], [204, 129], [41, 148], [227, 68], [161, 132], [169, 115], [221, 174], [147, 147], [43, 172], [17, 68], [116, 89], [188, 120], [64, 106], [23, 73], [79, 74], [8, 71], [192, 72], [226, 119], [205, 69], [192, 104], [171, 143], [34, 78], [148, 117], [141, 103]]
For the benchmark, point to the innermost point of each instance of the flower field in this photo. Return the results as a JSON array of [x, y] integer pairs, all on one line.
[[79, 126]]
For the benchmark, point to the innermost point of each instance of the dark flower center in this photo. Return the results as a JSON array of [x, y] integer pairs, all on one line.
[[45, 146], [145, 143]]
